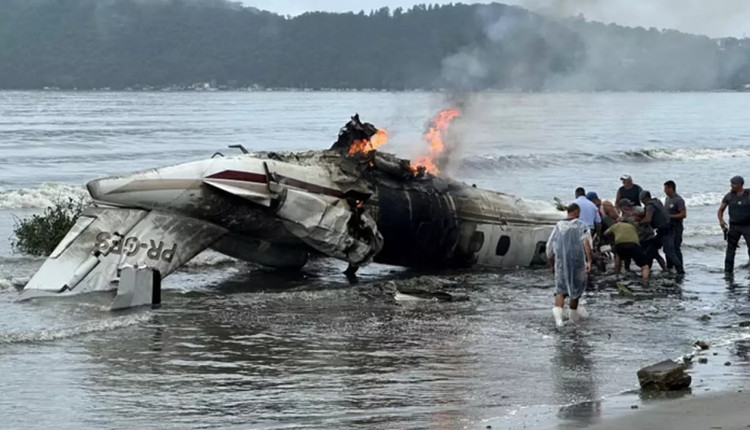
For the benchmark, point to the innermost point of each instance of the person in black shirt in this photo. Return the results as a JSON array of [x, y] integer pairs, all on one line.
[[629, 191], [738, 201], [658, 218], [677, 213]]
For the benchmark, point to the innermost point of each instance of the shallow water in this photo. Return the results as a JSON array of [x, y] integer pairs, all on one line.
[[237, 346]]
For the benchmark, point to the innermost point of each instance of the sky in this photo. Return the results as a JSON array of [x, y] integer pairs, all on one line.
[[716, 18]]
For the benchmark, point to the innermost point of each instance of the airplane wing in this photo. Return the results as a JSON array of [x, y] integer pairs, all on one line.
[[104, 239]]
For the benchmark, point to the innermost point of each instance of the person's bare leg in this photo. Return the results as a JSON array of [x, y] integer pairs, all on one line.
[[618, 264], [662, 263], [559, 300], [645, 272]]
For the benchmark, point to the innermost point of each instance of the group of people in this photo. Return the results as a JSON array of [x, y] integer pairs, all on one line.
[[637, 227]]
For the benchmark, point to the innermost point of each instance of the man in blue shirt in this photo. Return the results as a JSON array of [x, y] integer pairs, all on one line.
[[589, 212]]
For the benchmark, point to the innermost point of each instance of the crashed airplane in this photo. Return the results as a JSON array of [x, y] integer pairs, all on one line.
[[351, 202]]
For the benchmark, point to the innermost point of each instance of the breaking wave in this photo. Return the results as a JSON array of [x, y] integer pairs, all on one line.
[[39, 197], [210, 258], [68, 332], [704, 199], [13, 283], [497, 161]]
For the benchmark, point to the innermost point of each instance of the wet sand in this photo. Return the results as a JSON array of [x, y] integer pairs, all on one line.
[[726, 411]]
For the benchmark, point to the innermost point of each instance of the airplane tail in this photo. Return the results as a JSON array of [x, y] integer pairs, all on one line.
[[104, 239]]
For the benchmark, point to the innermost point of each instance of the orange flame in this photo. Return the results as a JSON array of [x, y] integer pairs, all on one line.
[[434, 136], [364, 146]]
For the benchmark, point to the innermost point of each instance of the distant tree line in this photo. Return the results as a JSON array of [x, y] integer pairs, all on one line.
[[128, 43]]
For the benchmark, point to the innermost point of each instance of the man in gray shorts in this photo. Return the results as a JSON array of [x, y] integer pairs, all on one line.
[[738, 201]]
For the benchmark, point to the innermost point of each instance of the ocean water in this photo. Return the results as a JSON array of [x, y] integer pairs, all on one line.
[[237, 346]]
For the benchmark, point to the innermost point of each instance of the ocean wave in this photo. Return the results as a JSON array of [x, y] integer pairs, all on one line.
[[13, 283], [68, 332], [39, 197], [498, 161], [210, 258], [705, 199], [703, 230]]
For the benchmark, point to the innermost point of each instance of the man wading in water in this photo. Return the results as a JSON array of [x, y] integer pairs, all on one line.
[[677, 213], [738, 201], [569, 256]]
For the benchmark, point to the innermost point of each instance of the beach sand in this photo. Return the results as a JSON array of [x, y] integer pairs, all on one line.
[[725, 411]]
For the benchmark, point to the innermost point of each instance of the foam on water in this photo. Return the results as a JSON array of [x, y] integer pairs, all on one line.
[[210, 258], [536, 160], [97, 325], [704, 199], [10, 284], [40, 197]]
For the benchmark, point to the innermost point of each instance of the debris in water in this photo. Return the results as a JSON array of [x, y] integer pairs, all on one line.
[[623, 290], [422, 288], [704, 318], [703, 345], [667, 375]]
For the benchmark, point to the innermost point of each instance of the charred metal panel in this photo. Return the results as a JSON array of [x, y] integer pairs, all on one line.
[[259, 251], [419, 227]]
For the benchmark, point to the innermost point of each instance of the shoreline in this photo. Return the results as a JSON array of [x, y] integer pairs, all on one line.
[[718, 398], [725, 410]]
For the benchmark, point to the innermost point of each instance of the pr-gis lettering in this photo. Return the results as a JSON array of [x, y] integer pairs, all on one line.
[[131, 246]]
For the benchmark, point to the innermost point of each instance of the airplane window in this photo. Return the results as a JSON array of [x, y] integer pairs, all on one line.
[[540, 256], [503, 245], [476, 241]]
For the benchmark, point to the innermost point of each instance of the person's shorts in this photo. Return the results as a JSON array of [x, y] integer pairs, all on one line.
[[572, 282], [632, 251]]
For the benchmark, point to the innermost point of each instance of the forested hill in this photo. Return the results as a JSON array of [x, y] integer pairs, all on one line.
[[134, 43]]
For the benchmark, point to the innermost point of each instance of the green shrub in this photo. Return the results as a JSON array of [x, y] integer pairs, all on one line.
[[40, 233]]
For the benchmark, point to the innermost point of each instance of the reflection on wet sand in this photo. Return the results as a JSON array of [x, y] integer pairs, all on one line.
[[575, 375]]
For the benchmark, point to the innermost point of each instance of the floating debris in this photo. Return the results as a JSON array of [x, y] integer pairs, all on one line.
[[703, 345]]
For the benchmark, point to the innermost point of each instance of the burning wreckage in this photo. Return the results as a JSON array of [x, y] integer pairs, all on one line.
[[351, 202]]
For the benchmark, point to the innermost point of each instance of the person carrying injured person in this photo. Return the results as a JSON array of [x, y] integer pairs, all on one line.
[[658, 218], [646, 235], [628, 247], [569, 255]]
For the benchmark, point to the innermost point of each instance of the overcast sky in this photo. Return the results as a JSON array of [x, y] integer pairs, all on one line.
[[712, 17]]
